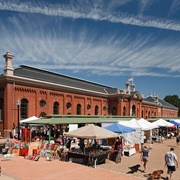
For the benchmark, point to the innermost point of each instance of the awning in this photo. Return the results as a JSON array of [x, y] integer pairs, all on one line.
[[72, 120]]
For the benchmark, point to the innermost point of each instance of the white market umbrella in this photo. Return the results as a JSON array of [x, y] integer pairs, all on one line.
[[91, 132]]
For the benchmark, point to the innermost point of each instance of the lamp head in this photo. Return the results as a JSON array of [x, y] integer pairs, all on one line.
[[18, 102]]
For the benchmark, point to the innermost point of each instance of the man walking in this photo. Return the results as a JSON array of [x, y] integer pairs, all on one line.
[[170, 161]]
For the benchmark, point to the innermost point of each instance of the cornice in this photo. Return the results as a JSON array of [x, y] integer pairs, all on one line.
[[50, 86]]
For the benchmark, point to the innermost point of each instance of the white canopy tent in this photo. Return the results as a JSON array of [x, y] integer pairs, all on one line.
[[132, 123], [163, 123], [130, 137], [146, 125], [134, 137], [140, 125]]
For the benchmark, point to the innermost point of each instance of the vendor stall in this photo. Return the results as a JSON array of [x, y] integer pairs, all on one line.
[[90, 157]]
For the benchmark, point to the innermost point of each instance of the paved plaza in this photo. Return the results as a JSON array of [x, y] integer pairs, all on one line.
[[18, 168], [156, 160]]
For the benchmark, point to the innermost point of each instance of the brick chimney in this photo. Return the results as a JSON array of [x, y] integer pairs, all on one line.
[[8, 69]]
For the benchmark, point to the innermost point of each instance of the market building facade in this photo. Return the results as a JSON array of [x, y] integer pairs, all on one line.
[[28, 91]]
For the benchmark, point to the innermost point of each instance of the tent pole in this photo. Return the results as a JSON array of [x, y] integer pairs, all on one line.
[[49, 138]]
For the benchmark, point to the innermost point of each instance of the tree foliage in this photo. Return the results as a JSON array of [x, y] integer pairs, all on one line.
[[174, 100]]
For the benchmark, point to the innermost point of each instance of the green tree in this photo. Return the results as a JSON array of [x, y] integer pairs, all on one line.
[[174, 100]]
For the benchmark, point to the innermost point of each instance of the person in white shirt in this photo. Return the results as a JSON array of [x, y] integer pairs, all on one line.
[[171, 162]]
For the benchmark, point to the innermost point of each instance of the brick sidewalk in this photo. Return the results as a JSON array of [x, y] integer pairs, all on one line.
[[18, 168], [23, 169], [156, 160]]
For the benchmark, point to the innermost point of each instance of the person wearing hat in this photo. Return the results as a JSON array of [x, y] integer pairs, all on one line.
[[171, 162]]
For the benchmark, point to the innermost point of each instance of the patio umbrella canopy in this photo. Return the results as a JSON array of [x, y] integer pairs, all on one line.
[[118, 128], [91, 132]]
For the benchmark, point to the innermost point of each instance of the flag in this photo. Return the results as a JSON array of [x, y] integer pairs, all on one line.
[[130, 79]]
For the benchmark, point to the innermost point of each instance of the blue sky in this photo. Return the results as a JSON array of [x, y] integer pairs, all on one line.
[[104, 41]]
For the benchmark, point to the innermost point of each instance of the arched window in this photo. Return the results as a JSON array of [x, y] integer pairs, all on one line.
[[133, 110], [78, 109], [1, 109], [43, 114], [114, 111], [124, 111], [137, 112], [24, 109], [56, 108], [154, 114], [96, 110], [149, 114], [142, 114]]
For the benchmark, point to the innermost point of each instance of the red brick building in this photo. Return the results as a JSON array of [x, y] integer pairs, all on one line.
[[41, 92]]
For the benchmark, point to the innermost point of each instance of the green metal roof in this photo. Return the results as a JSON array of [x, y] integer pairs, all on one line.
[[77, 119], [165, 118]]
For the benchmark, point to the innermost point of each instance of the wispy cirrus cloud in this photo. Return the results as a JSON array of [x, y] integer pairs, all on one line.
[[105, 57], [94, 11], [174, 7], [33, 43]]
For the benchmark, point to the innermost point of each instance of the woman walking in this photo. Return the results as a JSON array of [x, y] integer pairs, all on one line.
[[144, 157]]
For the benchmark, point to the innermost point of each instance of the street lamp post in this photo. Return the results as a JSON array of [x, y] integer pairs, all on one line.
[[18, 102]]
